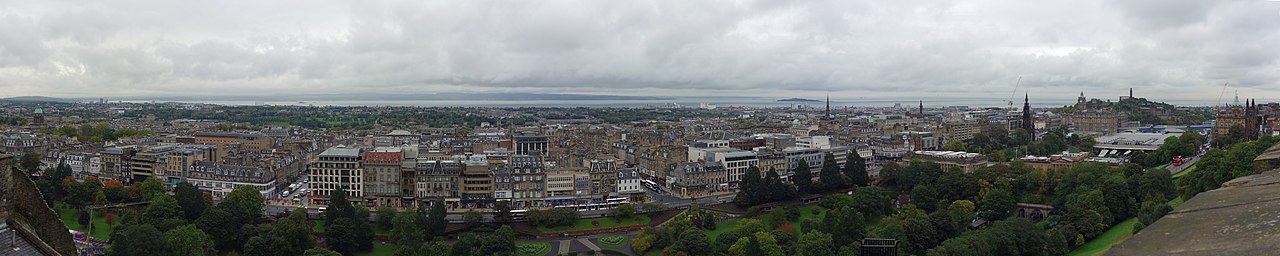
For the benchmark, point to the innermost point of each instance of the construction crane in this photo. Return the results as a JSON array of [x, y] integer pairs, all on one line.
[[1014, 94], [1218, 107]]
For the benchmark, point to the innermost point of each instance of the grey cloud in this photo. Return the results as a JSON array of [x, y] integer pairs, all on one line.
[[638, 47]]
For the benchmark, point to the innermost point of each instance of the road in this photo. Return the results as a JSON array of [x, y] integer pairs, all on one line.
[[1188, 162]]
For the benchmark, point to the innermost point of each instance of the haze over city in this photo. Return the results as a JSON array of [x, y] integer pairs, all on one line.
[[847, 49]]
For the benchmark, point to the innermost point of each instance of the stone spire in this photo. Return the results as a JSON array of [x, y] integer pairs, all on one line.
[[828, 113], [1027, 118]]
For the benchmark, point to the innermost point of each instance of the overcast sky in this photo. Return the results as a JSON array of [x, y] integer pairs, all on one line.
[[1166, 49]]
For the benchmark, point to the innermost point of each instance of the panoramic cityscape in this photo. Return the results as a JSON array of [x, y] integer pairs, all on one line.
[[736, 128]]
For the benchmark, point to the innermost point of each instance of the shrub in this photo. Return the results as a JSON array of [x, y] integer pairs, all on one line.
[[615, 240]]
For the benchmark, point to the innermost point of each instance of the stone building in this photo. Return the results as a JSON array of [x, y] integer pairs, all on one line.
[[951, 160], [695, 179]]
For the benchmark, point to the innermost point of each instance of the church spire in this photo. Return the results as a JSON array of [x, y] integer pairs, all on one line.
[[1028, 122], [828, 113]]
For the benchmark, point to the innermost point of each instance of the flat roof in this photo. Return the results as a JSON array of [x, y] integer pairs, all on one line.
[[341, 151]]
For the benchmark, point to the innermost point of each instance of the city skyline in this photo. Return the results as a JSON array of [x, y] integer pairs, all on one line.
[[1185, 50]]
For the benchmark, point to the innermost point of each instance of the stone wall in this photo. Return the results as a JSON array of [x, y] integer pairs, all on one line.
[[21, 203]]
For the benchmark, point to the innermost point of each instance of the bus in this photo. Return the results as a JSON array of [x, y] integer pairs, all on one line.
[[519, 214]]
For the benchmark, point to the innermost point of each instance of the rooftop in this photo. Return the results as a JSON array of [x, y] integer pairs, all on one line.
[[341, 151], [1134, 139], [19, 246], [947, 154]]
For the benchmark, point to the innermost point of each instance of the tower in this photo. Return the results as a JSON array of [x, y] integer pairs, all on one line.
[[921, 108], [828, 113], [1027, 120], [37, 118]]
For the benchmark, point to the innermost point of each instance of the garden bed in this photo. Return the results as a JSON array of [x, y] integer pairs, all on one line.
[[533, 248], [618, 241]]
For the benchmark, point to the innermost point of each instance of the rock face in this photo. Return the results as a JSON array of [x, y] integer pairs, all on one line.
[[22, 207]]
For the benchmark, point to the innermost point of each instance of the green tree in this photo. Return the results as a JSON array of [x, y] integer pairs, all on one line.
[[191, 200], [406, 231], [925, 197], [1085, 211], [693, 242], [436, 248], [163, 213], [750, 188], [502, 212], [997, 205], [844, 224], [188, 240], [151, 187], [467, 245], [340, 237], [855, 167], [363, 230], [291, 235], [501, 242], [872, 202], [385, 217], [956, 145], [78, 194], [30, 163], [830, 175], [433, 221], [472, 218], [258, 246], [1007, 237], [320, 252], [803, 178], [50, 183], [222, 228], [777, 190], [814, 243], [339, 207], [249, 203], [623, 211], [136, 240], [919, 229]]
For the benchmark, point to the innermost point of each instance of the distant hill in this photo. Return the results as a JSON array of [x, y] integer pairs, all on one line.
[[378, 96], [799, 100], [36, 99]]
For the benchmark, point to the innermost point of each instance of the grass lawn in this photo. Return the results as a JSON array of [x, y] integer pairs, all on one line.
[[70, 217], [1176, 202], [721, 228], [1162, 167], [806, 213], [533, 248], [318, 228], [604, 223], [380, 250], [1114, 236], [1184, 172], [1104, 242], [875, 226]]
